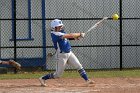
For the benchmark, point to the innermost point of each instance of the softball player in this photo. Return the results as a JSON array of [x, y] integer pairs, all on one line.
[[64, 53]]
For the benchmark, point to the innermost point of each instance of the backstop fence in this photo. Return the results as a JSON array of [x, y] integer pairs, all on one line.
[[25, 32]]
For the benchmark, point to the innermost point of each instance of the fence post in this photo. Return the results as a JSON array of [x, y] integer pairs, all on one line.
[[14, 36], [44, 31], [120, 34]]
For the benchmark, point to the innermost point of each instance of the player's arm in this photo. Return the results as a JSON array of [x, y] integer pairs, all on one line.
[[73, 35]]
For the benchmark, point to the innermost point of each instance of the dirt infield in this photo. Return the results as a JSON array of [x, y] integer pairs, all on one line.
[[71, 85]]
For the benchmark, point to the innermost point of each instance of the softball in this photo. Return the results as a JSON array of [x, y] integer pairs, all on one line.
[[115, 16]]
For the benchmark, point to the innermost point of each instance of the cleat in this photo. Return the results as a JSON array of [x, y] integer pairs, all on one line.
[[42, 81], [90, 82]]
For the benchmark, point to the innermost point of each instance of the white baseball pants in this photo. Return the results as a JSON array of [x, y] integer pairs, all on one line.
[[63, 59]]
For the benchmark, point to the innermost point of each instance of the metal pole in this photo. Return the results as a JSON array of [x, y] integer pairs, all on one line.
[[15, 50], [120, 34]]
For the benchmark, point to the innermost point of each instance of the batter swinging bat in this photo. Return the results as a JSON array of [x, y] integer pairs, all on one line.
[[96, 25]]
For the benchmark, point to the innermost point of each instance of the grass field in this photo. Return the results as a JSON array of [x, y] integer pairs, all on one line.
[[70, 74]]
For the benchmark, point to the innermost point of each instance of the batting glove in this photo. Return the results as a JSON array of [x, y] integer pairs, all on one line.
[[82, 35]]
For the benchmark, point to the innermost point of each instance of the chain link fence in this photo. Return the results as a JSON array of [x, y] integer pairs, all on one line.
[[25, 32]]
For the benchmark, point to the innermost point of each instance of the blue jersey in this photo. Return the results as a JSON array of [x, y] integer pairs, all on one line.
[[60, 43]]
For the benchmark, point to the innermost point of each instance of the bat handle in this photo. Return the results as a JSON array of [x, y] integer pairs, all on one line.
[[105, 18]]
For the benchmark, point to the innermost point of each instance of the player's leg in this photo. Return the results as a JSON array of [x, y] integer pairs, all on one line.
[[73, 60], [0, 62], [60, 66], [11, 62], [4, 62]]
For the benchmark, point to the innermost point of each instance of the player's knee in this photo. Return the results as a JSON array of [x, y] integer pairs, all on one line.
[[79, 67]]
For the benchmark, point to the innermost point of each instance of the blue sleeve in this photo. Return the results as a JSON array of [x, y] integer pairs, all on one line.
[[55, 40]]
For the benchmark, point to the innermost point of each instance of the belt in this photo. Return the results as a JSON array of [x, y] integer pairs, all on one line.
[[65, 52]]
